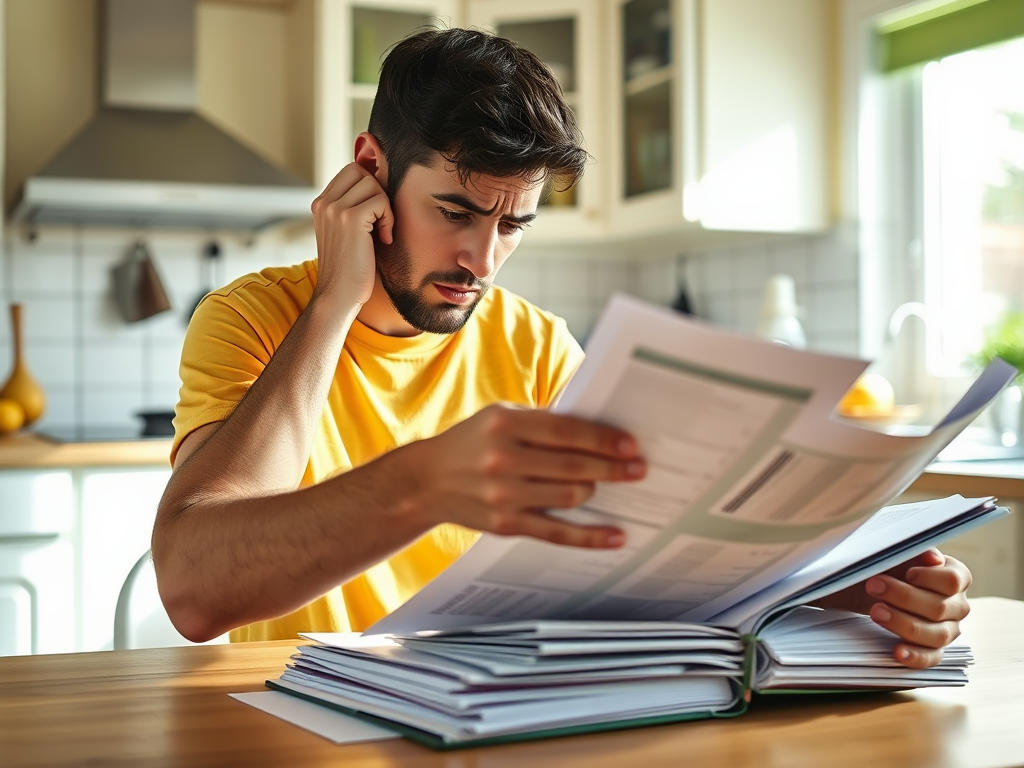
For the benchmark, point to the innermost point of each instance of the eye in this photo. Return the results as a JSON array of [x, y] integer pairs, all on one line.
[[511, 227], [454, 216]]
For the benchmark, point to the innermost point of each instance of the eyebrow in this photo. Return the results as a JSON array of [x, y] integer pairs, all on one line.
[[464, 202]]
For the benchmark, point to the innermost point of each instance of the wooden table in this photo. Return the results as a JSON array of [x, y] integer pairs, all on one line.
[[169, 707]]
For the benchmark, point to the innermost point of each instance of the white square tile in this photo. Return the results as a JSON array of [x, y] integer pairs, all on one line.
[[160, 395], [836, 343], [52, 363], [611, 277], [719, 308], [748, 312], [832, 309], [101, 320], [792, 258], [567, 281], [42, 271], [522, 276], [161, 361], [110, 406], [112, 363], [718, 272], [167, 327], [693, 272], [60, 410], [751, 269], [48, 318], [831, 261], [579, 316], [656, 281]]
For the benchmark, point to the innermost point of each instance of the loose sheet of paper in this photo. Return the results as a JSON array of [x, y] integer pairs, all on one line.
[[750, 479], [323, 721]]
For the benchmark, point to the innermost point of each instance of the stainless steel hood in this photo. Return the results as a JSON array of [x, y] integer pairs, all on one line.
[[148, 159]]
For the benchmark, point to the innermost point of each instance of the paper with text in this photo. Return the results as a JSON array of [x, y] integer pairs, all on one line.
[[750, 479]]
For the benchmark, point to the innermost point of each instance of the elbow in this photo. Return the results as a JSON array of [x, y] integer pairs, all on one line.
[[182, 599]]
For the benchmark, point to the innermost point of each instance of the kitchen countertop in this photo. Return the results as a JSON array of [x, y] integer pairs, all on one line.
[[1002, 479], [25, 450]]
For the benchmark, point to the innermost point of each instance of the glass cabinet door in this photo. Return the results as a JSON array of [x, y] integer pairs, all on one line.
[[374, 31], [647, 93], [554, 42]]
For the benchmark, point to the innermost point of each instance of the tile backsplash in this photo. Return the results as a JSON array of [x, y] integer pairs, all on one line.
[[98, 371]]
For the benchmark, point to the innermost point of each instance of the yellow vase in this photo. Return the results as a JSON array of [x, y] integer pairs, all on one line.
[[21, 386]]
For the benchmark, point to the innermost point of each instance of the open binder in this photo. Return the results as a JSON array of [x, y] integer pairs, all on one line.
[[758, 501]]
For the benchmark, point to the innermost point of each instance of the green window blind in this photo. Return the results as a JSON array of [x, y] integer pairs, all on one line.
[[947, 29]]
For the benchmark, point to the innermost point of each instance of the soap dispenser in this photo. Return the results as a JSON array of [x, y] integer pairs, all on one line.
[[779, 321]]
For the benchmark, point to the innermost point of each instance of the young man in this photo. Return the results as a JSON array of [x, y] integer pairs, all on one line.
[[346, 426]]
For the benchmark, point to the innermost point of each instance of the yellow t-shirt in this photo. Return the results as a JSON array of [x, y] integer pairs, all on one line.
[[387, 392]]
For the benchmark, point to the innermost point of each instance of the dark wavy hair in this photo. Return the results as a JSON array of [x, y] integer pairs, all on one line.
[[484, 103]]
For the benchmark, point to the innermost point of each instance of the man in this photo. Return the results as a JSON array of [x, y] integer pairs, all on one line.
[[339, 435]]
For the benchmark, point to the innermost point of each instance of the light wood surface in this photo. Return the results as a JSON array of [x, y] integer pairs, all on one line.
[[169, 707], [1002, 479], [24, 450]]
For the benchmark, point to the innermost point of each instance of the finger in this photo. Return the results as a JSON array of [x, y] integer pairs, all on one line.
[[518, 494], [558, 466], [915, 657], [342, 181], [950, 579], [930, 557], [551, 430], [931, 605], [539, 526], [913, 629]]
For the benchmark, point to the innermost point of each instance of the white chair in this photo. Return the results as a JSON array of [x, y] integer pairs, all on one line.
[[140, 620]]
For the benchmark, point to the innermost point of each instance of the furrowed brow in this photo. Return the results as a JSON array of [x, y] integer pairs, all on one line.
[[464, 202]]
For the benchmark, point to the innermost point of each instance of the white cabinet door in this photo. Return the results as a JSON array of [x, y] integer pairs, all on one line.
[[765, 72], [118, 508], [721, 115], [37, 562]]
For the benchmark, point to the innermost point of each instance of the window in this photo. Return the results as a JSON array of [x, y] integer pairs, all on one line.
[[941, 190], [973, 199]]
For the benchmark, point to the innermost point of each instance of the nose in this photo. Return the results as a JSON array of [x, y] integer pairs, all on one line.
[[479, 250]]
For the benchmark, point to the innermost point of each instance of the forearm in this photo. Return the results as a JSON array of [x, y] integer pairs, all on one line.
[[263, 446], [226, 563]]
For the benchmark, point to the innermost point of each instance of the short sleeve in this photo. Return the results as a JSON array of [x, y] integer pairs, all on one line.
[[564, 356], [221, 358]]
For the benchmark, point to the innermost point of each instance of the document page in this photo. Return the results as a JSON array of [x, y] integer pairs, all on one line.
[[750, 478]]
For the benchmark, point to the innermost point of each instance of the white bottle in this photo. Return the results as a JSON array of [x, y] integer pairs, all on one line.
[[779, 321]]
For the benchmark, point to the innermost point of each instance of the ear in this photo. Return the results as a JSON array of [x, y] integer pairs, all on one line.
[[369, 155]]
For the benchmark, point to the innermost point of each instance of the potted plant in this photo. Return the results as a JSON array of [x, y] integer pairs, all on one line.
[[1005, 339]]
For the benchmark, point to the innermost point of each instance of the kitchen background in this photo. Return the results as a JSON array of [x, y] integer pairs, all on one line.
[[725, 143], [98, 371]]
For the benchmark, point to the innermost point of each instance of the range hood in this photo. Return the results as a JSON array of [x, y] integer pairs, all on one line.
[[148, 159]]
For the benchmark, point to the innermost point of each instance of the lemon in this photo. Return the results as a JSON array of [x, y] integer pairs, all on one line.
[[12, 416], [871, 396]]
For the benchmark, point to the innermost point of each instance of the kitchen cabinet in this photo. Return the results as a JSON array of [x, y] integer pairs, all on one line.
[[351, 39], [568, 36], [720, 115], [36, 562], [68, 538]]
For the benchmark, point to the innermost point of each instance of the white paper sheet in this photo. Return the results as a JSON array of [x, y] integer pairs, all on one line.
[[323, 721], [750, 479]]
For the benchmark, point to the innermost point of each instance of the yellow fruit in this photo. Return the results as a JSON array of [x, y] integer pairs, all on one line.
[[12, 416], [871, 396]]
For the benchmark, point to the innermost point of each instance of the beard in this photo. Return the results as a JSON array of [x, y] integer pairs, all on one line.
[[394, 265]]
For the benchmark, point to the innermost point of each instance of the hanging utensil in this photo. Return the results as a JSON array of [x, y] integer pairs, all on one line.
[[138, 289], [211, 277]]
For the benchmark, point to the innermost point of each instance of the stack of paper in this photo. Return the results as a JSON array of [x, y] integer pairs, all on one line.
[[814, 649], [525, 676]]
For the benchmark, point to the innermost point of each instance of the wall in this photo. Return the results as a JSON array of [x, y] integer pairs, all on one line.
[[98, 371]]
